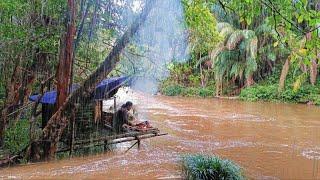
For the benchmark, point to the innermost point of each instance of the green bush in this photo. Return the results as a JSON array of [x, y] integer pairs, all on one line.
[[206, 167], [206, 92], [172, 90], [306, 93], [17, 137], [257, 92]]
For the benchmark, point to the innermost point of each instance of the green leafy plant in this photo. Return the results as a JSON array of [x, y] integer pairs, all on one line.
[[210, 167], [17, 137], [172, 90]]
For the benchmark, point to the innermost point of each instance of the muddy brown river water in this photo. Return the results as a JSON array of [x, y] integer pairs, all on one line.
[[269, 140]]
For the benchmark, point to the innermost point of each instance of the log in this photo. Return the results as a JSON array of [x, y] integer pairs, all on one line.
[[57, 123]]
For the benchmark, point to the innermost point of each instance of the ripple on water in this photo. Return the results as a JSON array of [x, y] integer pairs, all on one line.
[[197, 144], [247, 117], [178, 126], [311, 153]]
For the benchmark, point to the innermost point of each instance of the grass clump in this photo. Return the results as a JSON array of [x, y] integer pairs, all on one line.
[[204, 167]]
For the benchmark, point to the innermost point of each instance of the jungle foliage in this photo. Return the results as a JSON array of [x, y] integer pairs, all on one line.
[[256, 43]]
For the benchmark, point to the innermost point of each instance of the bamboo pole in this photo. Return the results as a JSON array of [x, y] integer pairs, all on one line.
[[72, 132]]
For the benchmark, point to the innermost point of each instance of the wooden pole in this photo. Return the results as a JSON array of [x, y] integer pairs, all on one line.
[[72, 132], [114, 123]]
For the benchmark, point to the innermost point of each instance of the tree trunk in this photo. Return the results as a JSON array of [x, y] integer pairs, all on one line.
[[284, 73], [57, 123], [250, 80], [313, 72], [218, 88], [65, 57]]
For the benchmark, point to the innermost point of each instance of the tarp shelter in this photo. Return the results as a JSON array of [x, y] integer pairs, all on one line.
[[105, 89], [102, 90]]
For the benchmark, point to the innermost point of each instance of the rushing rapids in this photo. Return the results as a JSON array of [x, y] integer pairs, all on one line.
[[269, 140]]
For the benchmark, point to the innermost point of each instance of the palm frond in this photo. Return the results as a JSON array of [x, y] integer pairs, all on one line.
[[248, 34], [223, 25], [203, 59], [214, 53], [223, 63], [226, 32], [253, 47], [235, 38], [235, 69], [251, 66]]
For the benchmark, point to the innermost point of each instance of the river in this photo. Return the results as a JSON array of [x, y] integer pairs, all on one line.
[[269, 140]]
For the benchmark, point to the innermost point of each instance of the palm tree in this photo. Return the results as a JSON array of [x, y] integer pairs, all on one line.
[[235, 57]]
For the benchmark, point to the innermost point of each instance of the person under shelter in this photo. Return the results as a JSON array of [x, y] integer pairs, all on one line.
[[122, 117], [126, 121]]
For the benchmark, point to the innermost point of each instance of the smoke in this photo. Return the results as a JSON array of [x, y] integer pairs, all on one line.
[[161, 40]]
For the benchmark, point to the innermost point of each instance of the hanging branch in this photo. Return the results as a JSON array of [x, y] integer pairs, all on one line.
[[58, 122]]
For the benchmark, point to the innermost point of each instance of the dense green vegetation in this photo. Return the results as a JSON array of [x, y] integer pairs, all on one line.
[[16, 137], [267, 90], [210, 167], [260, 50]]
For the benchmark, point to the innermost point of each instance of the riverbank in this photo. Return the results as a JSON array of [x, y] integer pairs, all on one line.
[[265, 90]]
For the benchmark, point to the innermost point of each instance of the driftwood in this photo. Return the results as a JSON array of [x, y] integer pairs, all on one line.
[[57, 123]]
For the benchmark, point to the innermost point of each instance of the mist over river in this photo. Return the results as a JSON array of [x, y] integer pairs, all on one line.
[[269, 140]]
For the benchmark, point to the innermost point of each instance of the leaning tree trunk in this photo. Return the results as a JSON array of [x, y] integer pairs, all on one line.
[[58, 122], [284, 73]]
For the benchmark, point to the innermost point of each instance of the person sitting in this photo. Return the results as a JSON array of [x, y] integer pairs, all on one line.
[[122, 117], [126, 120]]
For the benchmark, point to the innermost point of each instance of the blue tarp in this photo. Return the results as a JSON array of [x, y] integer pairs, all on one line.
[[102, 88]]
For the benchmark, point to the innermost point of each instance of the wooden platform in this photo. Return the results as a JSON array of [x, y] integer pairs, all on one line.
[[115, 139]]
